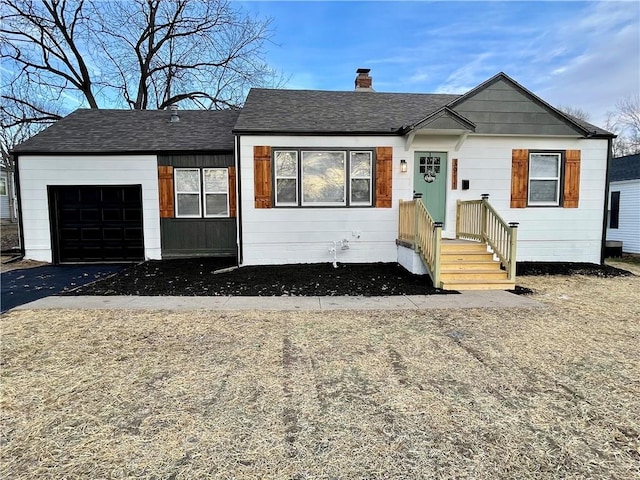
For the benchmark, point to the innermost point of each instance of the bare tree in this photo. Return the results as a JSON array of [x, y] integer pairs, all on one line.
[[140, 54], [576, 112], [624, 121]]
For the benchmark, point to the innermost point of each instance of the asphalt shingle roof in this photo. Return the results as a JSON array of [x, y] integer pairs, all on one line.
[[120, 131], [625, 168], [318, 111]]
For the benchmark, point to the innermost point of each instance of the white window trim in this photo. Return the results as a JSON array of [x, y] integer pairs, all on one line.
[[370, 178], [344, 185], [557, 178], [277, 177], [177, 192], [225, 192]]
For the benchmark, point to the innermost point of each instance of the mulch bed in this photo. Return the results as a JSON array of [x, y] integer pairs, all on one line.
[[197, 277]]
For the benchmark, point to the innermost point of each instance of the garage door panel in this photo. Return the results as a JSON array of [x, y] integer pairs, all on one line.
[[97, 223]]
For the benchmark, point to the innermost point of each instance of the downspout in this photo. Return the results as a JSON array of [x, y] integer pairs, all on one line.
[[605, 218], [238, 200]]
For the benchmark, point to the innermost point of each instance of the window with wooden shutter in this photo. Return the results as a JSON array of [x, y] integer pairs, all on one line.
[[165, 191], [519, 178], [384, 169], [571, 179], [545, 178], [262, 176]]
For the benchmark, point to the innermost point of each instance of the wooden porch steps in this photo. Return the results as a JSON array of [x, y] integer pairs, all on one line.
[[467, 265]]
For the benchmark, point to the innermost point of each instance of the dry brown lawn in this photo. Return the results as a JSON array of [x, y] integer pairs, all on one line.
[[552, 392]]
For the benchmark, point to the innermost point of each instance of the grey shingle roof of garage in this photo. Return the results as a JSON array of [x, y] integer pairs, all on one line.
[[120, 131], [317, 111], [625, 168]]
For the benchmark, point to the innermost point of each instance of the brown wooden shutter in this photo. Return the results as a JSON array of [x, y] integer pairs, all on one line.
[[519, 178], [454, 174], [232, 191], [571, 179], [384, 169], [262, 176], [165, 191]]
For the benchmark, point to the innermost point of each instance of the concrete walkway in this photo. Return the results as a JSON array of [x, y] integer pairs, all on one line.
[[473, 299]]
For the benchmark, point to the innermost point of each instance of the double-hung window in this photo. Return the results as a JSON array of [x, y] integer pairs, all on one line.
[[323, 178], [544, 178], [201, 190]]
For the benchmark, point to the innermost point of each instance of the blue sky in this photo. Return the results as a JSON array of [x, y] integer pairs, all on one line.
[[579, 54]]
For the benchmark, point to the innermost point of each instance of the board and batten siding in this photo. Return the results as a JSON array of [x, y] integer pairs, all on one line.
[[182, 237], [545, 234], [628, 231], [38, 172], [281, 235]]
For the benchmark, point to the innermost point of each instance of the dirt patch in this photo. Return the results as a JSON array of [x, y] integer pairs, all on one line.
[[9, 237], [191, 277], [484, 393]]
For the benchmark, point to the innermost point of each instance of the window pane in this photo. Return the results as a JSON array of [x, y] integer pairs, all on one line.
[[216, 204], [543, 191], [286, 164], [286, 191], [188, 204], [215, 180], [187, 180], [324, 177], [361, 164], [361, 191], [544, 165], [3, 186]]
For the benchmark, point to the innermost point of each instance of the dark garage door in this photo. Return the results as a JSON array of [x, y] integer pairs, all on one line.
[[96, 223]]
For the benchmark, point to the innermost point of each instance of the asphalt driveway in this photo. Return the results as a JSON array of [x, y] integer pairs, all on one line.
[[29, 284]]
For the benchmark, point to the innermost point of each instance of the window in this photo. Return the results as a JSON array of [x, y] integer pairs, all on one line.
[[187, 192], [544, 178], [3, 185], [323, 177], [216, 192], [193, 195], [361, 172], [286, 177], [614, 217]]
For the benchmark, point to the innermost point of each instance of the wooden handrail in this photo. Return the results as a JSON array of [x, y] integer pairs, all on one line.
[[478, 220], [417, 227]]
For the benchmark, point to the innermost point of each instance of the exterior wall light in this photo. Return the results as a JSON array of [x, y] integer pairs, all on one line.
[[403, 165]]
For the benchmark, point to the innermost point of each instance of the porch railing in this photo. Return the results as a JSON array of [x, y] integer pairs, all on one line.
[[478, 220], [417, 227]]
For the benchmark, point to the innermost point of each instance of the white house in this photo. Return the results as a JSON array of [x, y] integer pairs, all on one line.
[[624, 202], [301, 176]]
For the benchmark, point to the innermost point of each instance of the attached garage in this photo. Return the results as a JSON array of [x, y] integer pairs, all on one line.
[[96, 223]]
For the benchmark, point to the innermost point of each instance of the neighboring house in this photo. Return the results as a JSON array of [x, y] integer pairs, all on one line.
[[320, 178], [8, 203], [624, 202]]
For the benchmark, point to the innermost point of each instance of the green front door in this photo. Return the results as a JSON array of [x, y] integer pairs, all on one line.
[[430, 179]]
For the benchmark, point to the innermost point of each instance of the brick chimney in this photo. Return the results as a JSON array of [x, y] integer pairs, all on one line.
[[363, 80]]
